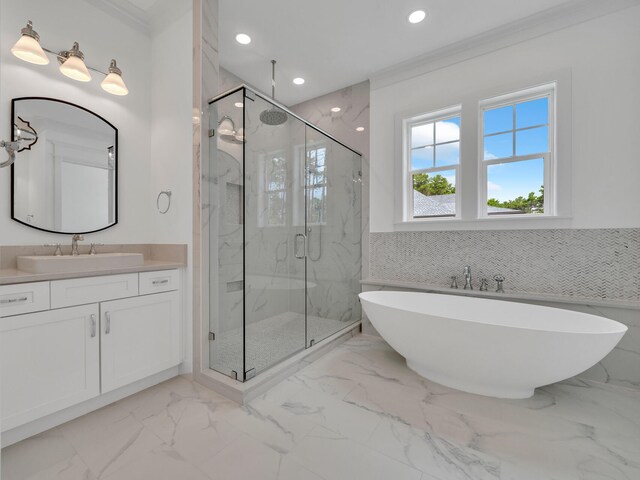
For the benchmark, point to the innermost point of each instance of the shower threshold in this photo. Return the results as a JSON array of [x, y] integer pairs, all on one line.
[[244, 392]]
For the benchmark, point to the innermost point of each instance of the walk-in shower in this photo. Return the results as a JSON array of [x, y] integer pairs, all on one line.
[[284, 235]]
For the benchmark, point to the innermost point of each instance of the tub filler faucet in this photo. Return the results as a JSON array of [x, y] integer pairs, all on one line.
[[467, 278], [74, 244]]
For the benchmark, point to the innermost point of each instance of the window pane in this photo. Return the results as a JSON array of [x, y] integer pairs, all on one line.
[[276, 208], [316, 205], [421, 158], [422, 135], [498, 146], [448, 130], [434, 194], [498, 120], [531, 141], [448, 154], [534, 112], [515, 188], [276, 173]]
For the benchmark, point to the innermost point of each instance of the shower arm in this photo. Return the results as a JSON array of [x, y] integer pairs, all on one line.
[[273, 79]]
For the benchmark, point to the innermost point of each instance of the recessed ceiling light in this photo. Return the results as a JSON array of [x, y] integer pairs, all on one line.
[[417, 16], [243, 39], [360, 129], [239, 104], [336, 109], [298, 80]]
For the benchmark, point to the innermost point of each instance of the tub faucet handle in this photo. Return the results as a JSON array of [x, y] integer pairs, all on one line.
[[484, 284], [454, 282], [58, 252], [499, 279]]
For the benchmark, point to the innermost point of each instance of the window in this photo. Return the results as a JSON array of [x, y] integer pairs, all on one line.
[[432, 164], [316, 185], [275, 188], [516, 158]]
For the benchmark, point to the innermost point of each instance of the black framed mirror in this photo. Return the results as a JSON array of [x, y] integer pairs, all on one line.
[[66, 180]]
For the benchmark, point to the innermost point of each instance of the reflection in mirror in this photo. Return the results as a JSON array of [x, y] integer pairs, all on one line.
[[65, 180]]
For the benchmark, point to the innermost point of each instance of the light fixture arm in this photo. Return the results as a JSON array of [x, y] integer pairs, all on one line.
[[62, 56], [11, 148]]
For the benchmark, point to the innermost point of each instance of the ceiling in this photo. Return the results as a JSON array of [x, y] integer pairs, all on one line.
[[336, 43]]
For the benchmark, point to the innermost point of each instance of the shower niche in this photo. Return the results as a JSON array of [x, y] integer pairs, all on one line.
[[284, 234]]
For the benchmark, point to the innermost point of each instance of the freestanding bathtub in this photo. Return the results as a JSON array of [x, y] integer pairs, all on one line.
[[489, 347]]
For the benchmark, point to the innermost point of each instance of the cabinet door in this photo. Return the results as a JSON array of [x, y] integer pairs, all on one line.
[[48, 361], [140, 336]]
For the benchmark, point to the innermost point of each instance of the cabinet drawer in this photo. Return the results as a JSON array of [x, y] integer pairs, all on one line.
[[23, 298], [162, 281], [80, 291]]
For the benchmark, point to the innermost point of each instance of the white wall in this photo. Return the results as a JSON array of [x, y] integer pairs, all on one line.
[[171, 165], [154, 121], [603, 56], [101, 37]]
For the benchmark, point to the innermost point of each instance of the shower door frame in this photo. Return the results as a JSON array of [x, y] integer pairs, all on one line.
[[206, 362]]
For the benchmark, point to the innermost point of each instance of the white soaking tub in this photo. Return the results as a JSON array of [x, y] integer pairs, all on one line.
[[489, 347]]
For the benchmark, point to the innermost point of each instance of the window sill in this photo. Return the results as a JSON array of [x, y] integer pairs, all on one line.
[[485, 223]]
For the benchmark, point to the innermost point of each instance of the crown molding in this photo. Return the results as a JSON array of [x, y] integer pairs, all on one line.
[[126, 12], [548, 21]]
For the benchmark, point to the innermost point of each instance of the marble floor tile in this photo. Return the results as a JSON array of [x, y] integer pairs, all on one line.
[[46, 454], [333, 414], [161, 463], [356, 413], [335, 457], [248, 458], [271, 424]]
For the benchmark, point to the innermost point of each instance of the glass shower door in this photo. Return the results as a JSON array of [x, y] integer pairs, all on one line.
[[333, 231], [274, 263]]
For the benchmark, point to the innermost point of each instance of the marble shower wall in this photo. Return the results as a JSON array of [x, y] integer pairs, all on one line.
[[205, 86], [354, 104]]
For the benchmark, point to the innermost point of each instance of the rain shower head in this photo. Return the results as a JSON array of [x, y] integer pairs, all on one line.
[[273, 116]]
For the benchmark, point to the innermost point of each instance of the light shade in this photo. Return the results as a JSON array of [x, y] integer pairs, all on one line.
[[28, 47], [113, 82], [73, 66]]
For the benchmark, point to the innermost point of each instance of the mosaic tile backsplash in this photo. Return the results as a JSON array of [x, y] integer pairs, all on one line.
[[581, 263]]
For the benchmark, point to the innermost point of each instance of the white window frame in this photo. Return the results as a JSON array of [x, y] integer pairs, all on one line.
[[549, 157], [324, 185], [408, 172]]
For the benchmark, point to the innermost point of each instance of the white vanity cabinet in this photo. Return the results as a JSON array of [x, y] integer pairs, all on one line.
[[48, 361], [92, 336], [139, 338]]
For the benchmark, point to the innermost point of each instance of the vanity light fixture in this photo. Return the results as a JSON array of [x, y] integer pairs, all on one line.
[[28, 47], [113, 82], [72, 64]]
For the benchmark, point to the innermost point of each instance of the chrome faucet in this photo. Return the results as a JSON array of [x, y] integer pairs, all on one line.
[[467, 278], [74, 244]]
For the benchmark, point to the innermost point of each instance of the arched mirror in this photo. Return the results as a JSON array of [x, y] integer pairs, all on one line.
[[66, 180]]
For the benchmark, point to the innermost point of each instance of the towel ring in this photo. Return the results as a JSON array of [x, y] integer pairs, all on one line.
[[168, 194]]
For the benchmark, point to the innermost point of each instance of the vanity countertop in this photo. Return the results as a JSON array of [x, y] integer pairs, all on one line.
[[12, 275]]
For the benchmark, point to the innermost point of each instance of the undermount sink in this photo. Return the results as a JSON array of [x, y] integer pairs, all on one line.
[[79, 263]]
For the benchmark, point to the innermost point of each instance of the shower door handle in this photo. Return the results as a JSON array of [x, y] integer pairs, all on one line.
[[304, 245]]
